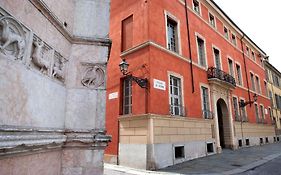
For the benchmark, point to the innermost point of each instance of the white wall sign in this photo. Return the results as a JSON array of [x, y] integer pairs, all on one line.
[[113, 95], [158, 84]]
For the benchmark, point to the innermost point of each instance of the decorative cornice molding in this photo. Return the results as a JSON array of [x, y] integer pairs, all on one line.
[[16, 140]]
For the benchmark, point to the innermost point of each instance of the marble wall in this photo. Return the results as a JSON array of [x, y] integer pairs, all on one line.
[[53, 86]]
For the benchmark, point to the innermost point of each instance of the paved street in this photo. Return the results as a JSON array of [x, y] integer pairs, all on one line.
[[252, 160], [271, 168]]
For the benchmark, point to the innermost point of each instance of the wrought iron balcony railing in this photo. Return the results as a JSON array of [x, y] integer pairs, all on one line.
[[221, 75]]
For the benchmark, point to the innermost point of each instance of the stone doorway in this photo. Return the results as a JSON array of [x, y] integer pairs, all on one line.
[[224, 124]]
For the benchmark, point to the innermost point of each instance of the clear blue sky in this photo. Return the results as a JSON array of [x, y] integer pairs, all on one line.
[[260, 20]]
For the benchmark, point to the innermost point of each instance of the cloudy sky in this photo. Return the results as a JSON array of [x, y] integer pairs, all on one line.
[[260, 20]]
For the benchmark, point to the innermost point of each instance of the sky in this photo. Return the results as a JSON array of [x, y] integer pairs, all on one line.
[[260, 20]]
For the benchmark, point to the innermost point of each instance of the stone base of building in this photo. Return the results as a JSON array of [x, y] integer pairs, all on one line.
[[155, 141], [109, 158]]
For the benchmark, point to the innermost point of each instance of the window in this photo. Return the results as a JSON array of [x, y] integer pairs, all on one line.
[[262, 112], [210, 147], [247, 50], [196, 6], [217, 58], [233, 39], [179, 152], [271, 98], [212, 20], [261, 140], [266, 140], [176, 107], [243, 112], [275, 80], [266, 75], [257, 113], [235, 108], [230, 67], [240, 143], [127, 96], [239, 75], [278, 101], [253, 56], [205, 102], [225, 30], [127, 33], [253, 82], [247, 142], [258, 84], [172, 35], [265, 88], [201, 52]]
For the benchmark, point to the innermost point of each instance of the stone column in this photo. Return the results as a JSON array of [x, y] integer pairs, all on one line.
[[216, 121], [86, 89]]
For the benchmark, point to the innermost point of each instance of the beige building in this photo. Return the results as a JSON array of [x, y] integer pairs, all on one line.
[[53, 57], [273, 77]]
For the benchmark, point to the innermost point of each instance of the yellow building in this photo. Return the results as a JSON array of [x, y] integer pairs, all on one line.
[[273, 77]]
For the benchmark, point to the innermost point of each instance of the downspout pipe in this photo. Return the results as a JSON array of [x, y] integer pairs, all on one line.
[[245, 67], [189, 47]]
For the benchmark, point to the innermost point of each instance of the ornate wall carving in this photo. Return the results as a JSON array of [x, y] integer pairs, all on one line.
[[12, 38], [93, 75]]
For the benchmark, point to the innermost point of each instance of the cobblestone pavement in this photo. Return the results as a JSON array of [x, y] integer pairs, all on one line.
[[228, 162]]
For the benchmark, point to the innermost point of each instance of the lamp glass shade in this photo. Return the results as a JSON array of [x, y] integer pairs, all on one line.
[[124, 66]]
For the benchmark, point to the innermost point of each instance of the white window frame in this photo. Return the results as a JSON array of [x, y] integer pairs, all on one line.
[[174, 18], [224, 27], [262, 117], [215, 47], [205, 50], [235, 44], [255, 103], [253, 85], [170, 73], [242, 98], [215, 22], [201, 97], [200, 13], [259, 91], [253, 56], [233, 66], [130, 99], [238, 107], [242, 84]]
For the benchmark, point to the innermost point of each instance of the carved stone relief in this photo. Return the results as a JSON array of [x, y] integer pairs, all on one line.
[[93, 75], [47, 60], [42, 56], [12, 37], [59, 66]]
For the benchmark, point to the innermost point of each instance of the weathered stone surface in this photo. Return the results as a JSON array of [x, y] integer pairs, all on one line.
[[53, 86]]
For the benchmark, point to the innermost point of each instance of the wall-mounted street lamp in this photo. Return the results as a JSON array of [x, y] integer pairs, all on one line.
[[142, 82], [243, 104]]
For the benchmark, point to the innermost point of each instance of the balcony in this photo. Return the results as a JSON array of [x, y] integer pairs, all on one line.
[[221, 77]]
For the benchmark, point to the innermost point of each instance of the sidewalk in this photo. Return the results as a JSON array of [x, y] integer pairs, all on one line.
[[228, 162]]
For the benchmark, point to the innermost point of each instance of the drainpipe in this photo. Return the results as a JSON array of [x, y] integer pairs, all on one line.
[[189, 47], [245, 67]]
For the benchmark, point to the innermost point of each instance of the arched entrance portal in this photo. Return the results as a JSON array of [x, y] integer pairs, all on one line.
[[224, 124]]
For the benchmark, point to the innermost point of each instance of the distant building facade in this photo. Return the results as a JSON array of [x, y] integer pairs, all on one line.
[[200, 66], [273, 77], [53, 57]]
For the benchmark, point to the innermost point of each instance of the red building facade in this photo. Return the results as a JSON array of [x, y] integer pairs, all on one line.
[[200, 67]]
